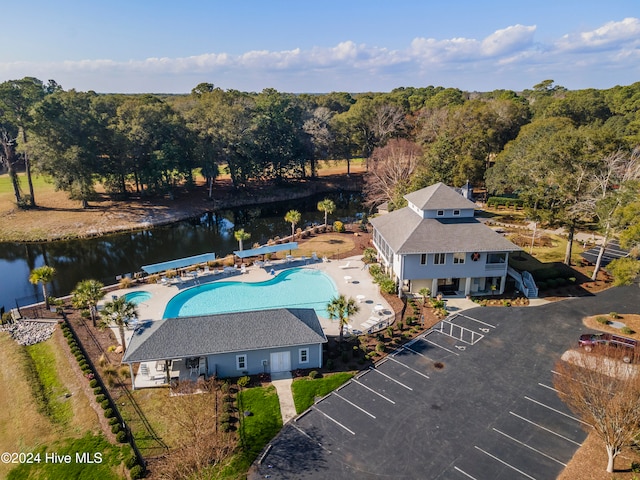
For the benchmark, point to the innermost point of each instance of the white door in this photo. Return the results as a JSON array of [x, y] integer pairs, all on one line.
[[280, 362]]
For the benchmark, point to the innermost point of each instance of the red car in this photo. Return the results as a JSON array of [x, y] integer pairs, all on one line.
[[627, 348]]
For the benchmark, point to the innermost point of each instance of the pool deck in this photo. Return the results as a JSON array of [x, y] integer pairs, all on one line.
[[350, 276]]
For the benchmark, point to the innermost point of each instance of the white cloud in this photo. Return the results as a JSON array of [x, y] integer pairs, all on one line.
[[508, 40], [611, 35], [499, 60]]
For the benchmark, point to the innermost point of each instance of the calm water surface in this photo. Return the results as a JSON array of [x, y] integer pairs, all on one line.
[[103, 258]]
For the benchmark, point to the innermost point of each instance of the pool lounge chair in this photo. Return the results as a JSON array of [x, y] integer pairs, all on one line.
[[346, 265], [243, 268], [314, 257]]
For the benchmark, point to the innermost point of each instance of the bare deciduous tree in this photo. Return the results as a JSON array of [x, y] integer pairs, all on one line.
[[390, 169], [193, 411], [609, 193], [603, 391]]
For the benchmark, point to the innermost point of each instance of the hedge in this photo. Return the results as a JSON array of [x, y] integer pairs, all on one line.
[[504, 202]]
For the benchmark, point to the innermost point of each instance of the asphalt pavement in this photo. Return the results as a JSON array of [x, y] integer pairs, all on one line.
[[471, 399]]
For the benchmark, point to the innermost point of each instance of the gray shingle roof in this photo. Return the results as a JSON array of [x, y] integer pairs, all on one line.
[[406, 232], [229, 332], [438, 197]]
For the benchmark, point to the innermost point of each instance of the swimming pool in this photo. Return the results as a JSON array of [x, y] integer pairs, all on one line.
[[137, 297], [294, 288]]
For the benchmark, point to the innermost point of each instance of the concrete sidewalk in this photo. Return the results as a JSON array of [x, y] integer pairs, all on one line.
[[282, 381]]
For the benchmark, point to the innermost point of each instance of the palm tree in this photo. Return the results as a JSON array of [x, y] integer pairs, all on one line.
[[342, 308], [293, 216], [43, 275], [87, 294], [241, 236], [120, 311], [327, 206]]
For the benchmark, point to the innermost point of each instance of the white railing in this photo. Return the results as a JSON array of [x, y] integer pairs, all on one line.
[[524, 282]]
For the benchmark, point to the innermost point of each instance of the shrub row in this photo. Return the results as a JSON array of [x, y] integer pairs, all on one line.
[[505, 202], [136, 470], [555, 282]]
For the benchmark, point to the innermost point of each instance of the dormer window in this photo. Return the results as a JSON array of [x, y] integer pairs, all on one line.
[[456, 213], [440, 213]]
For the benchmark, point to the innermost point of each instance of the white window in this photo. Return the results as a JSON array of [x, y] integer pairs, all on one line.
[[241, 362], [456, 213], [423, 259], [439, 258], [304, 355], [440, 213], [459, 257]]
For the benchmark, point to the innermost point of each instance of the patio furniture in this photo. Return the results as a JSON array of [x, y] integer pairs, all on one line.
[[360, 298], [243, 268], [314, 257], [347, 278], [346, 265]]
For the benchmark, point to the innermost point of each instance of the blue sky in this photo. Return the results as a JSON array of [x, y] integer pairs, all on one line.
[[303, 46]]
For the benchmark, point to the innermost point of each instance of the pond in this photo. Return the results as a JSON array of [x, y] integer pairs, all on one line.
[[103, 258]]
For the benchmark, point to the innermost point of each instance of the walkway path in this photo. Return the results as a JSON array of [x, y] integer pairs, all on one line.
[[282, 381]]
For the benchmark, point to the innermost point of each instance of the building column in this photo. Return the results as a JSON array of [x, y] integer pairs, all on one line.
[[434, 287], [133, 379], [467, 287]]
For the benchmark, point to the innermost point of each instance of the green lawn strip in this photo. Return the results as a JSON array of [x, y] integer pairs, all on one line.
[[39, 182], [255, 430], [48, 390], [92, 457], [305, 390]]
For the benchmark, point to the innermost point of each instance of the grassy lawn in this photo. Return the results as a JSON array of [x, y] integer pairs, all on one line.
[[305, 390], [154, 403], [37, 415], [327, 244], [106, 461], [39, 184], [254, 431], [545, 257], [53, 393]]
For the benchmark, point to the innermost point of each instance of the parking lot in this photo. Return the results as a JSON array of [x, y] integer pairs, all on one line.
[[472, 398]]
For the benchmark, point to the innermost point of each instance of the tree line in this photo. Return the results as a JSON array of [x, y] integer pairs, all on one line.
[[564, 153]]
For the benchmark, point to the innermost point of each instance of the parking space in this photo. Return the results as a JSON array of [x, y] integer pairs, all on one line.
[[472, 398], [533, 439]]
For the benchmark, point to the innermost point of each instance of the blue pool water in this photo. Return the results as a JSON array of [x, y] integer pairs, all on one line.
[[137, 297], [294, 288]]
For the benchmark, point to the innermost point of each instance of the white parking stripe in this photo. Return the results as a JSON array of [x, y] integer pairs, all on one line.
[[476, 320], [436, 345], [390, 378], [391, 357], [333, 420], [307, 435], [372, 390], [464, 473], [505, 463], [548, 387], [354, 405], [557, 411], [546, 429], [530, 448], [417, 353]]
